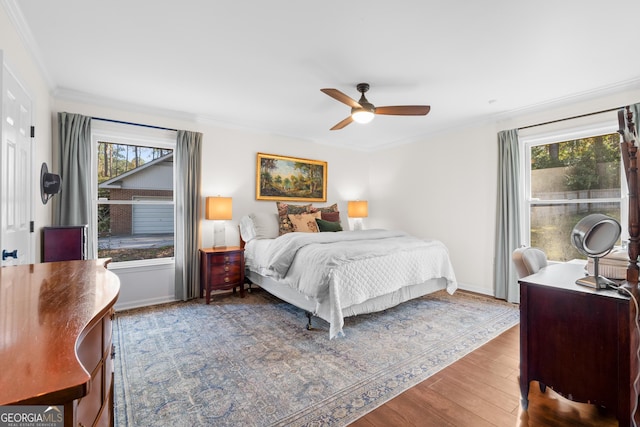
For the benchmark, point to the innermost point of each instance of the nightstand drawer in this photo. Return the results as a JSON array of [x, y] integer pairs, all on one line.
[[221, 276], [222, 281], [226, 269], [222, 259]]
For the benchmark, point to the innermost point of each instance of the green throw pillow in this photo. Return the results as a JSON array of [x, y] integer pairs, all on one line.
[[328, 225]]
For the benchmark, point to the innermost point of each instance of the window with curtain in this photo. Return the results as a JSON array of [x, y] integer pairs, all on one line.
[[570, 172], [134, 189]]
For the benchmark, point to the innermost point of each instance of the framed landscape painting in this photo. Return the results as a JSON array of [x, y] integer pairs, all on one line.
[[290, 178]]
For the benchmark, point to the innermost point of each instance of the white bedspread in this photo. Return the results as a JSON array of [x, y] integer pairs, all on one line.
[[353, 266]]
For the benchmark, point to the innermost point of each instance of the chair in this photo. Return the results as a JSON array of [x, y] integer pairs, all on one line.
[[528, 260]]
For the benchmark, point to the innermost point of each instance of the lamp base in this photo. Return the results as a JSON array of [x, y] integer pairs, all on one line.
[[219, 235], [357, 224]]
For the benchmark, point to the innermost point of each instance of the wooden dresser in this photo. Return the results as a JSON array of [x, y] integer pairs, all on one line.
[[580, 342], [49, 313]]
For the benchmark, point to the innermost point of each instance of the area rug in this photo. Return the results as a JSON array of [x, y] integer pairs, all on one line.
[[251, 361]]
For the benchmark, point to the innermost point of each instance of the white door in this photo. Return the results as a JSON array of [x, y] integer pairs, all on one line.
[[15, 172]]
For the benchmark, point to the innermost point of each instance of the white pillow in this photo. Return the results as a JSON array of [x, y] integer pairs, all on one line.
[[266, 225], [247, 230]]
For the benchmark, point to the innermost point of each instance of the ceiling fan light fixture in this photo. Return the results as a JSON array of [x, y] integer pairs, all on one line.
[[362, 111], [362, 116]]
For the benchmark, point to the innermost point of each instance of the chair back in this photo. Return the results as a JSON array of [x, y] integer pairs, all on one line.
[[529, 260]]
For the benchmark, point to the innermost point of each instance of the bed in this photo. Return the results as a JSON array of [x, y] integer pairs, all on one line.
[[333, 275]]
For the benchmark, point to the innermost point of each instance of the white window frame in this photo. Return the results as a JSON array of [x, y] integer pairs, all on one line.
[[584, 127], [129, 134]]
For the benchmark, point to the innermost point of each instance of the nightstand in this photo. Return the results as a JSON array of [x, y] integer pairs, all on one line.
[[221, 269]]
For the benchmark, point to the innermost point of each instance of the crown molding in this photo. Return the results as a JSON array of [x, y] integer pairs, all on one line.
[[64, 94], [573, 99]]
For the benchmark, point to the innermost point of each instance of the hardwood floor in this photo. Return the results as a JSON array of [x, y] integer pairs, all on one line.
[[481, 389]]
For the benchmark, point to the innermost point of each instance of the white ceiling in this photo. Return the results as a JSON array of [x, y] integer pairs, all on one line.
[[260, 65]]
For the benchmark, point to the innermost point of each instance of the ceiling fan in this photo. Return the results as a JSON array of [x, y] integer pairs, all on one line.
[[363, 111]]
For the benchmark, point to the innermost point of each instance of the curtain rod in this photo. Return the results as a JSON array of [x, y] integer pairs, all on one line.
[[570, 118], [133, 124]]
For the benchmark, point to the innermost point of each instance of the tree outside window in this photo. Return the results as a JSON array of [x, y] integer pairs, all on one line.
[[568, 181]]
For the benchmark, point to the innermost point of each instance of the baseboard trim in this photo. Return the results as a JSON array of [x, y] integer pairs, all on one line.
[[143, 303], [476, 289]]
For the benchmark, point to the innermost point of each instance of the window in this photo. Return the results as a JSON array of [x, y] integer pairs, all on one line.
[[569, 174], [134, 210]]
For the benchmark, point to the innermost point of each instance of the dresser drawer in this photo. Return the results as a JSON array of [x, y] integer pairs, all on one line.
[[89, 406], [107, 327], [108, 375], [90, 348]]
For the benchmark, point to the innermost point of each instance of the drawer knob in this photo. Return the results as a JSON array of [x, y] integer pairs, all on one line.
[[226, 268], [226, 280], [226, 258]]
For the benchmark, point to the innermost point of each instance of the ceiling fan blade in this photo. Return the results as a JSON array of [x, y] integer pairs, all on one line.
[[343, 123], [336, 94], [404, 110]]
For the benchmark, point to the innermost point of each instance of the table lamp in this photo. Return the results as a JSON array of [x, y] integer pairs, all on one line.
[[357, 209], [219, 209]]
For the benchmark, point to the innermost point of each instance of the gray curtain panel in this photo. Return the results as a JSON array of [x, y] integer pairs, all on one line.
[[74, 201], [187, 207], [508, 216]]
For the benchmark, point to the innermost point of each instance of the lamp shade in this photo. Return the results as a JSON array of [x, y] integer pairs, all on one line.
[[357, 209], [219, 208]]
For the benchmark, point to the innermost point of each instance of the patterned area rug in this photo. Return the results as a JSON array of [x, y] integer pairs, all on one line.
[[251, 361]]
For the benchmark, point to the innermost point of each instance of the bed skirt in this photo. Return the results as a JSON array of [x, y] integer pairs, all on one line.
[[321, 309]]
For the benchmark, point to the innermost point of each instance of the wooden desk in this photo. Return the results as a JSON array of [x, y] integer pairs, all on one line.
[[55, 338], [580, 342]]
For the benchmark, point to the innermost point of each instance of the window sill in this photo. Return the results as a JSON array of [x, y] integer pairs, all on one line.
[[140, 263]]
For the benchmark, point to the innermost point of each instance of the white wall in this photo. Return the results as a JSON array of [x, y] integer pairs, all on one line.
[[445, 186], [442, 188], [26, 70]]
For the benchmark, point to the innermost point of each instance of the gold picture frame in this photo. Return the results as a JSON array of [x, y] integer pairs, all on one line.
[[286, 178]]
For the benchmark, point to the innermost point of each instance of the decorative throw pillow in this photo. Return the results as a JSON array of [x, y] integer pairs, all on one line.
[[284, 210], [305, 223], [330, 216], [332, 208], [328, 225]]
